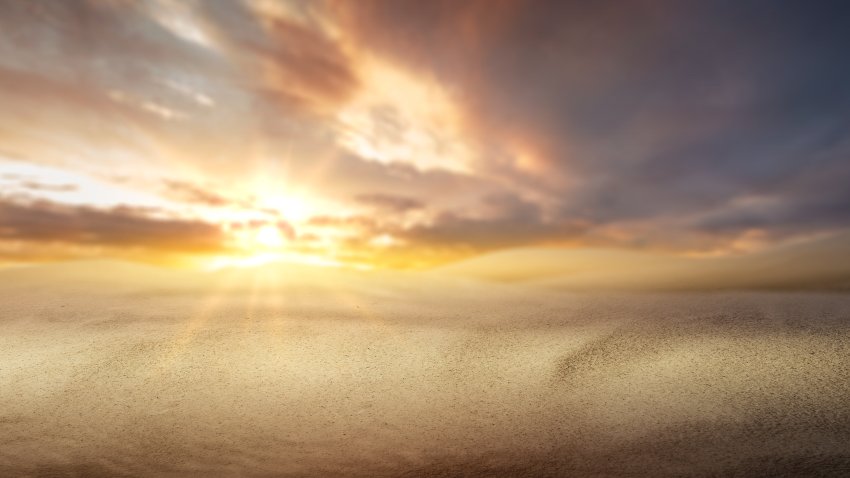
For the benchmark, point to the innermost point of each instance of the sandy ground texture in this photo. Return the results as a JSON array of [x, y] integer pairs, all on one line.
[[126, 380]]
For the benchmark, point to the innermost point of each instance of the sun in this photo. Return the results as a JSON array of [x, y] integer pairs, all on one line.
[[276, 227], [256, 246], [293, 208], [268, 237]]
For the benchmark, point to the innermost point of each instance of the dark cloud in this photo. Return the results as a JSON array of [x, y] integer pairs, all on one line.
[[814, 199], [389, 202], [507, 221], [362, 223], [497, 221], [56, 188], [346, 176], [638, 111], [42, 221], [192, 193]]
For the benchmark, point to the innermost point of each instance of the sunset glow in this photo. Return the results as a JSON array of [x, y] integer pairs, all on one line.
[[424, 238], [404, 137]]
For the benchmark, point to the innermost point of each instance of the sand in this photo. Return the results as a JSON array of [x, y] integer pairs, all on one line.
[[471, 380]]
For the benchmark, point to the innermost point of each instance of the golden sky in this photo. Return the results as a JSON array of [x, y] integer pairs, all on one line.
[[410, 134]]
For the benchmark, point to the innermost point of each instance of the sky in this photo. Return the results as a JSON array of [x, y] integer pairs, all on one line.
[[414, 134]]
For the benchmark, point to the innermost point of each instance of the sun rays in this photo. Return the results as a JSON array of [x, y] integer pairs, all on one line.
[[269, 298]]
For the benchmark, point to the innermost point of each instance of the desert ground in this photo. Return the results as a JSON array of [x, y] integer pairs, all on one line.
[[237, 377]]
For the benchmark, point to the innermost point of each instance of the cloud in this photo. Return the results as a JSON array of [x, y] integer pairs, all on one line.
[[119, 227], [653, 112], [505, 221], [294, 63], [37, 186], [192, 193], [458, 126], [389, 202], [361, 223]]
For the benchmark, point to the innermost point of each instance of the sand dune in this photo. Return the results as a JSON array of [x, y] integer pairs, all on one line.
[[387, 379], [816, 264]]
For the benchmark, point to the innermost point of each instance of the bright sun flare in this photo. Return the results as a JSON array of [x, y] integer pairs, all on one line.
[[292, 208], [258, 245], [268, 237]]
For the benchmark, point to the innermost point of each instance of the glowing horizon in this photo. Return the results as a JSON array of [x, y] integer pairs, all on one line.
[[412, 135]]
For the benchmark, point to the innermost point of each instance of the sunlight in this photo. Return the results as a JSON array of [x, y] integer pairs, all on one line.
[[269, 237], [293, 208], [257, 239], [257, 259], [405, 118]]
